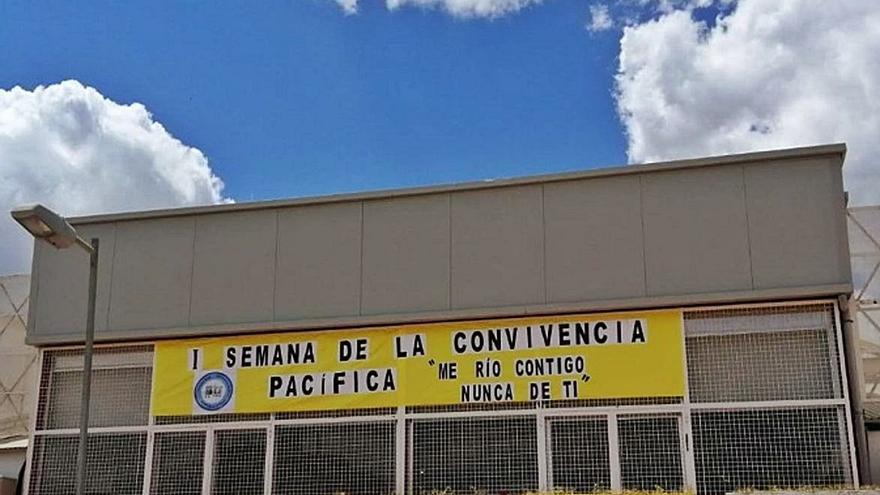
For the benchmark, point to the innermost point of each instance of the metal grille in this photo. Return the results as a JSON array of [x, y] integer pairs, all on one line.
[[732, 355], [758, 366], [579, 454], [772, 448], [485, 455], [177, 463], [239, 460], [767, 403], [650, 453], [114, 464], [120, 394], [341, 413], [350, 458], [212, 418]]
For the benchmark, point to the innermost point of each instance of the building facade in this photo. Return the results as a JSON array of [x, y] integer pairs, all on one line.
[[18, 372], [679, 325]]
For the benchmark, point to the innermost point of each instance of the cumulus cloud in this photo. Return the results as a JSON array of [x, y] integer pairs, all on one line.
[[74, 150], [766, 75], [600, 18]]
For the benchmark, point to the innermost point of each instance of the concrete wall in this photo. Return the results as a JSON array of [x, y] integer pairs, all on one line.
[[737, 228], [11, 461], [874, 454]]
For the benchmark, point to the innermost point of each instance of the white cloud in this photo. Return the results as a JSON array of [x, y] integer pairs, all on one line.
[[74, 150], [464, 9], [600, 18], [767, 75], [350, 7], [467, 9]]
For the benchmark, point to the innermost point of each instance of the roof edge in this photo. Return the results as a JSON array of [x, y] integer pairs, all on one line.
[[779, 154]]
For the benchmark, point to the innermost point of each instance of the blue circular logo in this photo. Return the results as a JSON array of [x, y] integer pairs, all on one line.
[[213, 391]]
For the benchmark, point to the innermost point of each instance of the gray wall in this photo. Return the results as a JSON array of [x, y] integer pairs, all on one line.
[[759, 226], [11, 461]]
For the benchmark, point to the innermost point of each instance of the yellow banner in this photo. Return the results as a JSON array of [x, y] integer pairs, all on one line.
[[589, 356]]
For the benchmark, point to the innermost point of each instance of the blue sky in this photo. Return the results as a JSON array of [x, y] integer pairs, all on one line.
[[132, 105], [292, 98]]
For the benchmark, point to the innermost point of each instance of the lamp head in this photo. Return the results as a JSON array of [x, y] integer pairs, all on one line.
[[46, 225]]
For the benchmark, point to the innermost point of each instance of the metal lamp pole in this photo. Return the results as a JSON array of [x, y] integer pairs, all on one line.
[[87, 366], [48, 226]]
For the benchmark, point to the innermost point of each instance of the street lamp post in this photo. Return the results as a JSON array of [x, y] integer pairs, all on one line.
[[48, 226]]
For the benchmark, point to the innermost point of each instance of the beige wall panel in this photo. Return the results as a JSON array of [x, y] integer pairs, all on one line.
[[594, 239], [696, 237], [152, 274], [63, 284], [797, 224], [406, 255], [319, 261], [234, 268], [497, 247]]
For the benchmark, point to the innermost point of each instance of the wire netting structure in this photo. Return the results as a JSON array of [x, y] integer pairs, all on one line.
[[766, 406]]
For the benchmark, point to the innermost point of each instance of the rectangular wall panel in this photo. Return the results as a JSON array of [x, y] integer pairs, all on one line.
[[318, 272], [152, 274], [62, 281], [497, 247], [696, 234], [594, 243], [406, 255], [234, 268], [796, 231]]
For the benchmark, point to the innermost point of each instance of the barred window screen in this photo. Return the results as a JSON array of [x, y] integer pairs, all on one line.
[[120, 394], [762, 354], [115, 464], [239, 460], [579, 454], [351, 458], [650, 453], [773, 448], [766, 402], [479, 455], [178, 463]]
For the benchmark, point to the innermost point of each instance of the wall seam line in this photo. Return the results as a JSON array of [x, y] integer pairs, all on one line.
[[33, 290], [544, 241], [110, 282], [745, 197], [192, 269], [644, 235], [361, 281], [275, 269], [449, 254]]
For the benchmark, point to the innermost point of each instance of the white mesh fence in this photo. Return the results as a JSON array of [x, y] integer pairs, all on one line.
[[468, 455], [351, 458], [650, 453], [178, 462], [580, 454], [239, 460], [114, 464], [770, 448], [766, 407]]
